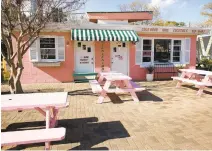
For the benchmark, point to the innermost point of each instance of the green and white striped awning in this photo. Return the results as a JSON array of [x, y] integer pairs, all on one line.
[[104, 35]]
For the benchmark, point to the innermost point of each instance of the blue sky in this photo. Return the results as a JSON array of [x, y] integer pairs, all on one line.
[[177, 10]]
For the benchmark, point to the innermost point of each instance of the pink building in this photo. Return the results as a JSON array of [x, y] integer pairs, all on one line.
[[108, 42]]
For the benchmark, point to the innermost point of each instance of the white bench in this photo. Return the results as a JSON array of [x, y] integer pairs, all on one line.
[[33, 136], [95, 86], [195, 82]]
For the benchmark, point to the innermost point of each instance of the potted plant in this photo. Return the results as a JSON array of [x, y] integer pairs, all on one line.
[[178, 69], [150, 75]]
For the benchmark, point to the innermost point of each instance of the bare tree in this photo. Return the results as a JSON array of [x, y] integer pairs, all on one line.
[[21, 24], [138, 5]]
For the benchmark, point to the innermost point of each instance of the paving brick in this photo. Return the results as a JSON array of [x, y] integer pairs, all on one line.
[[166, 118]]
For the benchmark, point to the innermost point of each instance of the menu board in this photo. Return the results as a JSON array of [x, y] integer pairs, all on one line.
[[84, 60]]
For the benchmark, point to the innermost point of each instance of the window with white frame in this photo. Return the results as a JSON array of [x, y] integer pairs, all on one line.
[[147, 50], [177, 46], [47, 48], [161, 50]]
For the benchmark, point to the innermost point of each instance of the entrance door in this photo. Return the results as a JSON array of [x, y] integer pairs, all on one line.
[[84, 57], [119, 57]]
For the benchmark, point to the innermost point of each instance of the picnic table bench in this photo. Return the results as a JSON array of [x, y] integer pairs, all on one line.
[[195, 77], [48, 104], [33, 136], [122, 83]]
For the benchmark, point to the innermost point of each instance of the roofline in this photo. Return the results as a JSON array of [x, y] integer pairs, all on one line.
[[124, 12], [137, 28]]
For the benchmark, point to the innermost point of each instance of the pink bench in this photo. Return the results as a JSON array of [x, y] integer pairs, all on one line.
[[33, 136]]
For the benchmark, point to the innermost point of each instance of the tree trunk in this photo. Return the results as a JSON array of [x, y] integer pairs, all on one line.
[[14, 81], [18, 87]]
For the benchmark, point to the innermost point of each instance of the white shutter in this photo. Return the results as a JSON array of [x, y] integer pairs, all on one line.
[[186, 51], [34, 50], [61, 48], [138, 52]]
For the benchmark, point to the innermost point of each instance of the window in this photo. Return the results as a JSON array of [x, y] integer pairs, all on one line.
[[176, 50], [150, 51], [162, 49], [147, 48], [47, 48]]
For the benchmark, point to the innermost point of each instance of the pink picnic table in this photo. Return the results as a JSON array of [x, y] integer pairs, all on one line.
[[122, 82], [102, 75], [199, 78], [47, 104]]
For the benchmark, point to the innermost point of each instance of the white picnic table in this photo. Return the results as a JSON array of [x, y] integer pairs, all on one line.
[[48, 104], [199, 78], [122, 82]]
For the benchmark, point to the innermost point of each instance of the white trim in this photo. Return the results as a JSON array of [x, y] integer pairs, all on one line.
[[152, 55], [138, 28], [145, 64]]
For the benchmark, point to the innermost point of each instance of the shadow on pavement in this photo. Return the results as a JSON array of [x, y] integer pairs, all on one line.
[[86, 131]]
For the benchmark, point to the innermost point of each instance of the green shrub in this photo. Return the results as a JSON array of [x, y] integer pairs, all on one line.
[[207, 63]]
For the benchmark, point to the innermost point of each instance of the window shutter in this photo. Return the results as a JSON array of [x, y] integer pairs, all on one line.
[[34, 50], [61, 48], [186, 51], [138, 52]]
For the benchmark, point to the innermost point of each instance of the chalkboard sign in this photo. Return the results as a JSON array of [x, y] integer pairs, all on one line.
[[47, 45], [89, 49], [79, 44], [47, 40]]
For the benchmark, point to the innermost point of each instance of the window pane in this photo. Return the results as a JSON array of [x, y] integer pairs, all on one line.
[[146, 59], [177, 42], [162, 50], [146, 47], [176, 59], [147, 42], [48, 54], [47, 42], [176, 53], [177, 48]]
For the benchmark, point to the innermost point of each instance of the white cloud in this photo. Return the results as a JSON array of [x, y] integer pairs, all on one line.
[[163, 3]]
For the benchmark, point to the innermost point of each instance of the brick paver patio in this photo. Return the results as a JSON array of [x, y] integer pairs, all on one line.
[[165, 118]]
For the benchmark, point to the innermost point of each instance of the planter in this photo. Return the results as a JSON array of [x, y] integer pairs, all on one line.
[[149, 77], [179, 74]]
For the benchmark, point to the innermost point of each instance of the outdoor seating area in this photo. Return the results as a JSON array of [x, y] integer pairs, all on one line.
[[199, 78], [121, 82], [74, 119]]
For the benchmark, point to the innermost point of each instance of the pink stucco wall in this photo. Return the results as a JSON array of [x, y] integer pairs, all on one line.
[[63, 73], [32, 74]]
